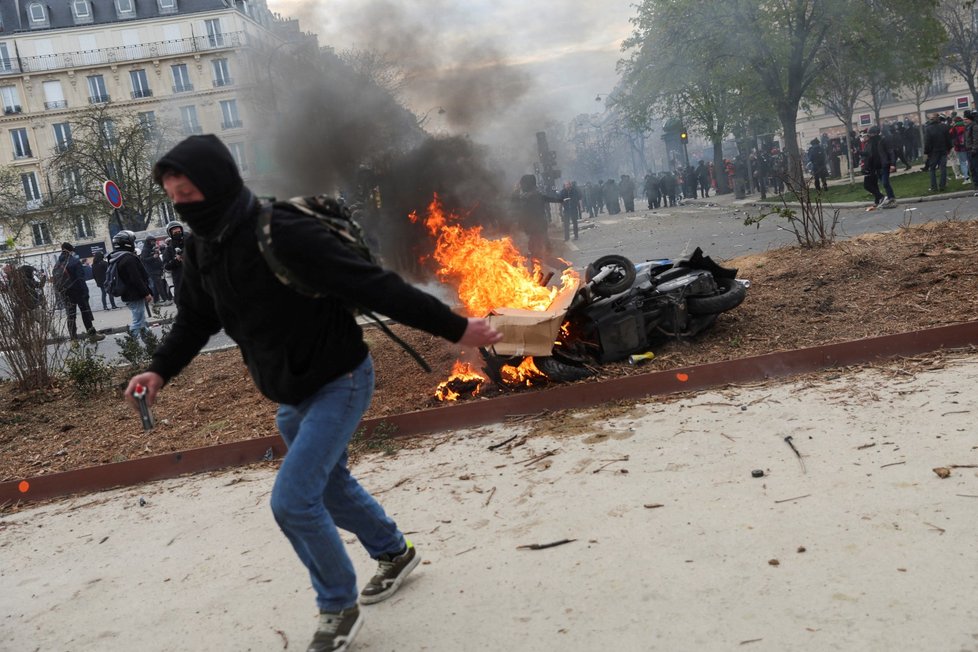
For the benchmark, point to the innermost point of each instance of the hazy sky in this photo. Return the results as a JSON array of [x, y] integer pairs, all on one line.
[[548, 58]]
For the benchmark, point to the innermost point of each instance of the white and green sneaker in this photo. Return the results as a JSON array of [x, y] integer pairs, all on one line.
[[391, 572], [336, 630]]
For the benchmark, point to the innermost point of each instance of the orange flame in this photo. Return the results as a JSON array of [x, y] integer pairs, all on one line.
[[463, 374], [486, 273], [524, 374]]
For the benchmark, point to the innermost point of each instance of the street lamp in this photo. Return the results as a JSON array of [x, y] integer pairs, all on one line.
[[684, 137]]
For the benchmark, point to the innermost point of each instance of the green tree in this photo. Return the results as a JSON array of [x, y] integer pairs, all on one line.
[[960, 52], [842, 83], [116, 145], [778, 47]]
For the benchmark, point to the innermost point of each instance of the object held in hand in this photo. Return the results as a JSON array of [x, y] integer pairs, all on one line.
[[139, 393]]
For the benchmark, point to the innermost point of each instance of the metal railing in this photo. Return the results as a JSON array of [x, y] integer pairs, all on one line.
[[224, 81], [98, 99], [105, 56], [9, 67], [144, 92], [183, 88], [231, 124], [57, 104]]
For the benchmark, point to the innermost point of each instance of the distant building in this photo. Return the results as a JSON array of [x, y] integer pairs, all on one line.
[[190, 62]]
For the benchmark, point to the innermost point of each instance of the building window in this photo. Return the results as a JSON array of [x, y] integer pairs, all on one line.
[[32, 191], [167, 6], [188, 118], [22, 146], [229, 113], [96, 90], [181, 78], [238, 152], [41, 233], [140, 84], [215, 38], [6, 65], [71, 182], [147, 119], [82, 12], [166, 214], [37, 15], [109, 132], [222, 74], [83, 227], [11, 99], [54, 96], [124, 9], [62, 136]]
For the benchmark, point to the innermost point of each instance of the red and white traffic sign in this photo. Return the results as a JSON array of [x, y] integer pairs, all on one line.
[[112, 193]]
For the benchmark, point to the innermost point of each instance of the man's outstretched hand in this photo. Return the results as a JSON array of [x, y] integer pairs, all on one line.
[[479, 333]]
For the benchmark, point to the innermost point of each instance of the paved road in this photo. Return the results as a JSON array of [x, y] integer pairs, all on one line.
[[718, 228]]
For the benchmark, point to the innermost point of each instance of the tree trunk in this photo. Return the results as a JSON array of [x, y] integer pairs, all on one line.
[[788, 116], [719, 174]]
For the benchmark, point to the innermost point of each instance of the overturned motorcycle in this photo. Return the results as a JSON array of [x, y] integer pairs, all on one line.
[[623, 309]]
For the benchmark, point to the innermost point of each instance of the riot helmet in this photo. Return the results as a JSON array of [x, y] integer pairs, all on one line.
[[124, 240]]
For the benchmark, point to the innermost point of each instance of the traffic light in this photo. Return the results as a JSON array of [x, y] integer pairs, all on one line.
[[683, 136]]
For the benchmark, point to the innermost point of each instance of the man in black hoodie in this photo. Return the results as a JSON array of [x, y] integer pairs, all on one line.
[[307, 354], [136, 294]]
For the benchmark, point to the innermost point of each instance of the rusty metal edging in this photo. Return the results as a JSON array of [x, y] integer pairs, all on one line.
[[482, 412]]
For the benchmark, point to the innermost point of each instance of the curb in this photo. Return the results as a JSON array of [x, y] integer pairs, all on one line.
[[958, 194], [481, 412]]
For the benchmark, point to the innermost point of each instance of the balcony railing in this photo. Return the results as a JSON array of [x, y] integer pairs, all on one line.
[[192, 130], [9, 67], [231, 124], [183, 88], [105, 56], [225, 81], [12, 109], [145, 92], [98, 99], [57, 104]]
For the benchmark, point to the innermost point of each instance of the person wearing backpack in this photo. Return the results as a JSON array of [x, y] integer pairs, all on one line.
[[99, 267], [71, 287], [305, 353], [128, 280]]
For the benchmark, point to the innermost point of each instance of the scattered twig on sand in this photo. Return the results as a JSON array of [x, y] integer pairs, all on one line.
[[465, 551], [788, 500], [502, 443], [865, 446], [758, 400], [395, 486], [966, 495], [491, 494], [543, 546], [610, 462], [285, 639], [788, 441], [893, 464], [956, 412], [537, 458], [653, 505], [962, 466], [751, 640], [529, 416], [940, 530]]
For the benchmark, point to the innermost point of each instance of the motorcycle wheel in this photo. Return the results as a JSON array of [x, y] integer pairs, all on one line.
[[619, 281], [732, 294], [561, 372]]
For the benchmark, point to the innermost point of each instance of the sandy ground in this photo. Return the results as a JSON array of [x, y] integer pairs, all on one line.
[[676, 546]]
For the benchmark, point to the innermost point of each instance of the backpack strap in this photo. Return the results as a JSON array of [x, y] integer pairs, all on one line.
[[263, 230]]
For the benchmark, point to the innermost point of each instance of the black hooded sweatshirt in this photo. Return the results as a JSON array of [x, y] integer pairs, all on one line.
[[292, 344]]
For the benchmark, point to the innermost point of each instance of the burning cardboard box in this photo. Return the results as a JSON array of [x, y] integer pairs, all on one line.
[[531, 332]]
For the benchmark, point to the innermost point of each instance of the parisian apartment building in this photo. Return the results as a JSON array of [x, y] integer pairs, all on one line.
[[191, 62]]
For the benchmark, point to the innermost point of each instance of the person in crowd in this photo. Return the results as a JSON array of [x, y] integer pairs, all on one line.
[[305, 353], [820, 169], [589, 200], [570, 208], [627, 189], [98, 273], [937, 144], [874, 158], [667, 185], [530, 204], [957, 129], [652, 195], [971, 145], [703, 179], [153, 264], [173, 255], [612, 197], [73, 290], [136, 292]]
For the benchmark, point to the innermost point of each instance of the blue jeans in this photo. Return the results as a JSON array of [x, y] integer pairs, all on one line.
[[939, 161], [884, 176], [106, 293], [314, 492], [138, 311], [963, 163]]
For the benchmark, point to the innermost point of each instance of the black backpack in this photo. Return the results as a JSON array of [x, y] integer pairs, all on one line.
[[338, 220], [113, 282]]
